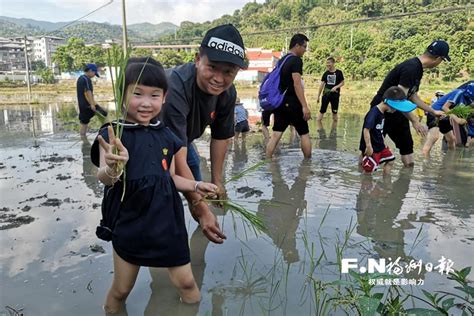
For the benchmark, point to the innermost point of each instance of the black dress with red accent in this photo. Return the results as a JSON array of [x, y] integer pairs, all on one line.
[[147, 226]]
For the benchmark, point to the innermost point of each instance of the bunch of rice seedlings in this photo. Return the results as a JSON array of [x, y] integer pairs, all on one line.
[[117, 61], [462, 111], [254, 220]]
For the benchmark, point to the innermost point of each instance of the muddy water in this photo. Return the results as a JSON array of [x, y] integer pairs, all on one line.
[[52, 263]]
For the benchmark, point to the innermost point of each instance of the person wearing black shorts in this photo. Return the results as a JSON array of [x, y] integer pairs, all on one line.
[[407, 76], [294, 109], [85, 96], [331, 83], [266, 123]]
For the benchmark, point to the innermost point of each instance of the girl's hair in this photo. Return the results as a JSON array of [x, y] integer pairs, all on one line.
[[145, 71]]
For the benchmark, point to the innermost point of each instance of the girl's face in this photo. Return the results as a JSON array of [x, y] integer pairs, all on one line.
[[144, 103]]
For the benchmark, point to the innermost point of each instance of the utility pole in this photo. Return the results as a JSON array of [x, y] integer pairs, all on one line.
[[27, 70], [124, 29]]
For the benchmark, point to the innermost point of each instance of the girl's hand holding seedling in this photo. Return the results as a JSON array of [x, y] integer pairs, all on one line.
[[116, 155], [206, 189]]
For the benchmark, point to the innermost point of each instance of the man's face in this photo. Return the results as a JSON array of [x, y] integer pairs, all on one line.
[[438, 60], [90, 74], [301, 49], [214, 77], [329, 65]]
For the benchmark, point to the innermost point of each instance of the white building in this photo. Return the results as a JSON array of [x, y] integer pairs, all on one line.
[[43, 48]]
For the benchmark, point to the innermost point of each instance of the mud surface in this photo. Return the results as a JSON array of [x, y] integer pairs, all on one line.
[[53, 264]]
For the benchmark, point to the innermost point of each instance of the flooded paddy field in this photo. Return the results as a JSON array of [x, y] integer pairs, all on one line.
[[317, 212]]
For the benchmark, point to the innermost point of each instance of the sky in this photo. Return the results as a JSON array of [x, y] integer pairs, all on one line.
[[138, 11]]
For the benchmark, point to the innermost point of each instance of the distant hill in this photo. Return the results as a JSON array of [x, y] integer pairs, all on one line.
[[8, 29], [150, 31], [34, 24], [91, 32]]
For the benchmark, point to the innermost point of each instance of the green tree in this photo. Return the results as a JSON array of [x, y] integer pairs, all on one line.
[[169, 58], [46, 75]]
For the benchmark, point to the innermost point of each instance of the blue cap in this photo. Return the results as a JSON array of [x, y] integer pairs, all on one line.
[[439, 48], [93, 67], [401, 105]]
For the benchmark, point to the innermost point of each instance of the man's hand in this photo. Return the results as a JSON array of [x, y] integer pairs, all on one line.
[[369, 151], [420, 129], [460, 121], [208, 222], [318, 99], [93, 107], [306, 113], [441, 114], [334, 89]]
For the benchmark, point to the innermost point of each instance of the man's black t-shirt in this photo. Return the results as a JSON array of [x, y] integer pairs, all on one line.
[[83, 84], [374, 121], [407, 74], [332, 79], [188, 110], [292, 65]]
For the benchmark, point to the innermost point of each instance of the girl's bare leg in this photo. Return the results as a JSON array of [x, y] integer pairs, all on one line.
[[182, 277], [125, 275]]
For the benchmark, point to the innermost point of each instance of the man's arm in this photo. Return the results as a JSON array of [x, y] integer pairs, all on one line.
[[90, 99], [300, 94], [199, 209], [338, 86], [419, 128], [218, 152], [422, 105]]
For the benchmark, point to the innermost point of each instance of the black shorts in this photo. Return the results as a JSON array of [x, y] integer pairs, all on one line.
[[397, 126], [444, 124], [266, 117], [85, 114], [242, 127], [333, 98], [290, 113]]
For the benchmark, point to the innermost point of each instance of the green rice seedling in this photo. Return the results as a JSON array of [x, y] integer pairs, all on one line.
[[248, 170], [462, 111], [117, 61]]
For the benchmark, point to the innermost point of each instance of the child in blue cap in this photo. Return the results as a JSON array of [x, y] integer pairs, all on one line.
[[372, 146]]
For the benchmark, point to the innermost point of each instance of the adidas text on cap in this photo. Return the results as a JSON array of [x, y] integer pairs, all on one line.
[[224, 44]]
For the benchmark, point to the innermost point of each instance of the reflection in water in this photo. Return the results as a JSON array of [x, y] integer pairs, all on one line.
[[240, 157], [164, 298], [89, 171], [325, 142], [378, 205], [282, 217]]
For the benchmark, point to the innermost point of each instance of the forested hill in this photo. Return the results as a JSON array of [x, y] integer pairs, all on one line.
[[90, 32], [376, 46]]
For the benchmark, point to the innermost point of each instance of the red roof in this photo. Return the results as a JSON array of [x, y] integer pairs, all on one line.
[[253, 54]]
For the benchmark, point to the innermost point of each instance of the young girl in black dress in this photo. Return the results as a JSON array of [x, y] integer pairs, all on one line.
[[147, 225]]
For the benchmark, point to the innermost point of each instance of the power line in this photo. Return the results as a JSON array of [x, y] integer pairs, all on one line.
[[82, 17], [316, 26]]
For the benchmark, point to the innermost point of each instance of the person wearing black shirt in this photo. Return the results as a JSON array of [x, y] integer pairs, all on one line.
[[85, 96], [331, 83], [294, 109], [202, 94], [407, 76]]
